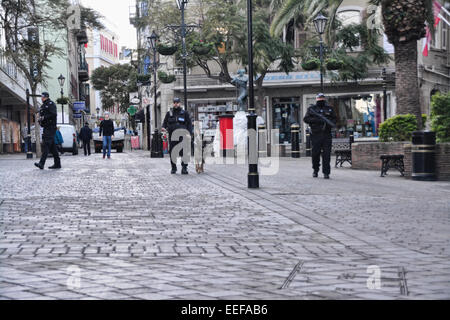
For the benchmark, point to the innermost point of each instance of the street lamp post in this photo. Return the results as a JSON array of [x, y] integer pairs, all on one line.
[[384, 75], [253, 175], [320, 23], [61, 81], [157, 141], [182, 4], [28, 142]]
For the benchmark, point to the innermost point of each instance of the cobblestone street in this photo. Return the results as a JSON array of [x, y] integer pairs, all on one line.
[[127, 229]]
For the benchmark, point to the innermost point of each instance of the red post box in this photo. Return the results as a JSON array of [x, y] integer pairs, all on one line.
[[226, 132]]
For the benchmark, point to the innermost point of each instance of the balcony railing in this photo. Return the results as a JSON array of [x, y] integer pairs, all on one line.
[[83, 71]]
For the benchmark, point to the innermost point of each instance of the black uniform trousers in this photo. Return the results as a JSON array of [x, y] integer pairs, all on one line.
[[172, 145], [49, 146], [87, 147], [321, 145]]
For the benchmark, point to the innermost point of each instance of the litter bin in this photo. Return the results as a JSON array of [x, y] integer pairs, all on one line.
[[423, 152]]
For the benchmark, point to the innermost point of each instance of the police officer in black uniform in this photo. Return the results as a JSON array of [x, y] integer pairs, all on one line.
[[321, 134], [177, 118], [47, 119]]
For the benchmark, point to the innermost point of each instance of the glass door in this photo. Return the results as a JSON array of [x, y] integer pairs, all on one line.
[[285, 112]]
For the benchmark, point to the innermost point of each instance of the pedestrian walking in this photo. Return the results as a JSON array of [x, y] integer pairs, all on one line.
[[321, 118], [177, 118], [59, 141], [86, 137], [47, 119], [107, 129]]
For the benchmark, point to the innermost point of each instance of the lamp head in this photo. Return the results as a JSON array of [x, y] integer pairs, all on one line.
[[61, 80], [320, 22], [182, 4]]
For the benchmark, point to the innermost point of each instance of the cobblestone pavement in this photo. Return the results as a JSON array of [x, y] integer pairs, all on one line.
[[127, 229]]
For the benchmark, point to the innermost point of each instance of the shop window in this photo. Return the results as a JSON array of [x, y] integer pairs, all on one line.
[[285, 112]]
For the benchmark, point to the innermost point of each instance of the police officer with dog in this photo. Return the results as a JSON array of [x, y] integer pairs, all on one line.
[[321, 118], [47, 120], [177, 118]]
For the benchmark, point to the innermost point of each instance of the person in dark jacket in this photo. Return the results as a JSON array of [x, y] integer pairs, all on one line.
[[107, 129], [59, 141], [86, 137], [177, 118], [321, 134], [47, 119]]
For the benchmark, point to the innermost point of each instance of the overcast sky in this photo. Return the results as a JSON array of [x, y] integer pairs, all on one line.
[[116, 13]]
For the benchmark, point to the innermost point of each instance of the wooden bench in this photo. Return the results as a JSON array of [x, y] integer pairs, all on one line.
[[389, 161], [343, 150]]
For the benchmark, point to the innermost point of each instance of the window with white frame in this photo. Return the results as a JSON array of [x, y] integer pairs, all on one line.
[[350, 16], [444, 37]]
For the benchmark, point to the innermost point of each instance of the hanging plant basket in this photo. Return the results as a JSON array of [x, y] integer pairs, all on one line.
[[166, 50], [311, 64], [202, 48], [144, 79], [166, 78], [63, 100], [334, 64]]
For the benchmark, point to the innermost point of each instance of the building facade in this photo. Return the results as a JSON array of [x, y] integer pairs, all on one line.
[[102, 51]]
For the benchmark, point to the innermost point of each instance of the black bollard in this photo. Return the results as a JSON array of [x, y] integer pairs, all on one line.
[[253, 174], [308, 143], [424, 156], [295, 149], [262, 141]]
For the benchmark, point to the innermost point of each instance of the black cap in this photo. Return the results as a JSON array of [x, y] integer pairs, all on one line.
[[176, 100], [45, 94], [86, 123], [320, 95]]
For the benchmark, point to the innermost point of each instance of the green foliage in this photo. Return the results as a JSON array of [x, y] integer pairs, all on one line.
[[63, 100], [334, 64], [311, 64], [202, 47], [166, 50], [398, 128], [440, 117], [166, 78], [115, 83]]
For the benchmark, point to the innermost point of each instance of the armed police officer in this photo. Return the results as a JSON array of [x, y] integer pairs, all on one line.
[[177, 118], [47, 119], [321, 118]]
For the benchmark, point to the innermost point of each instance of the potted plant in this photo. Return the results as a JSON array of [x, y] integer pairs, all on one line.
[[166, 50], [202, 48], [144, 79], [62, 100], [166, 78], [333, 64], [310, 64]]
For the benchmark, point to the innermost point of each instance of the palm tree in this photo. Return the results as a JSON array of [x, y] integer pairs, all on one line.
[[404, 24]]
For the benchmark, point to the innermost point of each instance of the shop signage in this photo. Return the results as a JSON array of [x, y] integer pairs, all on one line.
[[293, 77], [79, 106]]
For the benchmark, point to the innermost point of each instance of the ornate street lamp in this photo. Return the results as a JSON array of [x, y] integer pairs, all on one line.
[[182, 4], [156, 146], [253, 175], [320, 23], [61, 80]]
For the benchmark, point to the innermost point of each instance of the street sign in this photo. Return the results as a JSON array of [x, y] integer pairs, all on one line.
[[132, 110], [77, 115], [79, 106]]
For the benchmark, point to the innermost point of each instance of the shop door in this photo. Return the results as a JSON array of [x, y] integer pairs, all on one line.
[[286, 112]]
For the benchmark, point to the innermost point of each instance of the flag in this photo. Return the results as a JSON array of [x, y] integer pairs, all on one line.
[[437, 18], [426, 42], [437, 12]]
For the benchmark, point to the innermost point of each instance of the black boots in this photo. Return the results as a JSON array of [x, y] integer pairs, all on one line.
[[315, 174], [55, 166], [40, 166], [184, 170], [326, 176]]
